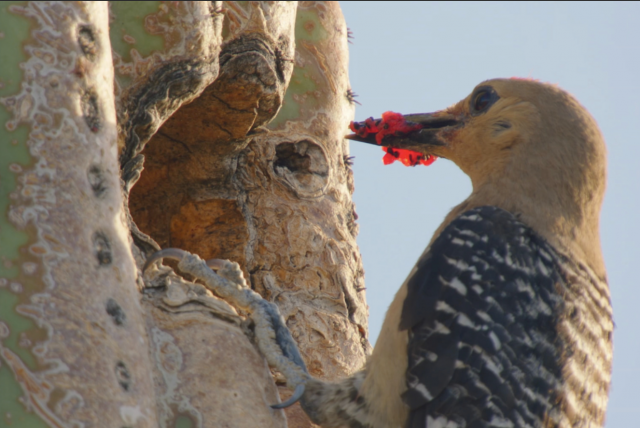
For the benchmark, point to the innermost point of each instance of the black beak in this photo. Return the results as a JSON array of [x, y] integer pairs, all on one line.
[[416, 131]]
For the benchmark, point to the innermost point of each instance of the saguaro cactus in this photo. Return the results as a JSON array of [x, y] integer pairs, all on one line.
[[211, 126]]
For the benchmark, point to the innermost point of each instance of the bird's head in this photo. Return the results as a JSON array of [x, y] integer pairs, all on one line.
[[528, 147]]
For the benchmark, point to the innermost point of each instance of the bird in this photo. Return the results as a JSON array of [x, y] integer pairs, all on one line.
[[505, 320]]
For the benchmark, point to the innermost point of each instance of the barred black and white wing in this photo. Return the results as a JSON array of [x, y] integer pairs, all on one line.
[[504, 331]]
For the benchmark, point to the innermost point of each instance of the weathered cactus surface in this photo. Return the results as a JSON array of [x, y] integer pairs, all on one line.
[[216, 127], [72, 328]]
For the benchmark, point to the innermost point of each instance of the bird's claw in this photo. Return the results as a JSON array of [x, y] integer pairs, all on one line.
[[217, 264], [297, 394], [167, 253], [177, 255], [272, 335]]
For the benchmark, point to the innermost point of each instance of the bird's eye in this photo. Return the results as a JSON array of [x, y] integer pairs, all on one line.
[[482, 100]]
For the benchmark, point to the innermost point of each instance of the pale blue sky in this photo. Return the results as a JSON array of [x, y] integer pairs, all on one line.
[[421, 57]]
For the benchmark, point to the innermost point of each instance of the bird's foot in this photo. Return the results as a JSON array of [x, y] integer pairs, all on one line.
[[271, 333]]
